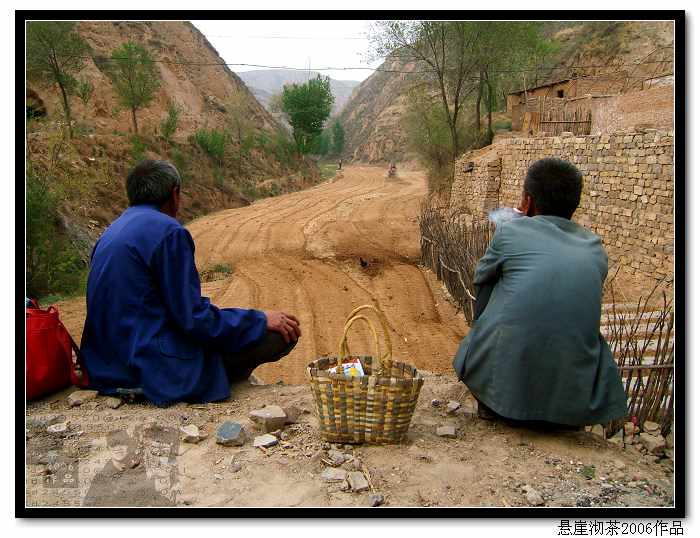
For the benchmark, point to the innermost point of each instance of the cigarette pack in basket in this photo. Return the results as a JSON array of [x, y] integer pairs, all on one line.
[[372, 408]]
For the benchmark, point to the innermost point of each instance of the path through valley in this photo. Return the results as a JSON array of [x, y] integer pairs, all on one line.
[[318, 254]]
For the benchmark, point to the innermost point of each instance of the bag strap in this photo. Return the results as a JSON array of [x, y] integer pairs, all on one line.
[[82, 380]]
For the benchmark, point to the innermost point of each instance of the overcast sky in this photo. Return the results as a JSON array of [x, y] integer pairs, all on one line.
[[296, 44]]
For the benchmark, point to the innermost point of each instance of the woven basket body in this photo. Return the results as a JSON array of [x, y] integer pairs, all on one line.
[[374, 408]]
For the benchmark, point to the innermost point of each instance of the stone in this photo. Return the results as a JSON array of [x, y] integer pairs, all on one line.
[[447, 431], [235, 466], [187, 500], [376, 499], [617, 439], [58, 428], [191, 434], [317, 456], [598, 430], [668, 453], [265, 441], [358, 482], [619, 465], [79, 397], [669, 439], [269, 418], [452, 407], [436, 403], [336, 457], [534, 498], [653, 443], [231, 433], [113, 402], [651, 427], [41, 422], [292, 413], [332, 474]]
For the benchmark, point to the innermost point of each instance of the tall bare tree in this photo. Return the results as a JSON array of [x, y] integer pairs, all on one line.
[[441, 52], [458, 60], [240, 126]]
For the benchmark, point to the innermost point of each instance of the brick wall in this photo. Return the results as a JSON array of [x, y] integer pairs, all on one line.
[[627, 193], [652, 107]]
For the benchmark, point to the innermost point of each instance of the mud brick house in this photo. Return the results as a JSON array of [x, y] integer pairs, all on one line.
[[593, 105]]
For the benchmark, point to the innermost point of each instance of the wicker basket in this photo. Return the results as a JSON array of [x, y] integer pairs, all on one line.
[[374, 408]]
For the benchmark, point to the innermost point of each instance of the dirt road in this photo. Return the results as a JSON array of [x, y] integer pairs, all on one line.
[[321, 252], [318, 254]]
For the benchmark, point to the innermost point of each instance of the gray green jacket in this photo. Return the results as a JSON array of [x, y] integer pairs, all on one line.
[[535, 352]]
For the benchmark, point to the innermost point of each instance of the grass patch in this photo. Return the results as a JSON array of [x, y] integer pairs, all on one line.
[[217, 272], [328, 170]]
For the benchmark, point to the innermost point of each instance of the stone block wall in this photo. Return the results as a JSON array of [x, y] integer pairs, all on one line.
[[653, 107], [628, 191]]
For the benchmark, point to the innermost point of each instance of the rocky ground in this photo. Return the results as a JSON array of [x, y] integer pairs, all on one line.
[[196, 462]]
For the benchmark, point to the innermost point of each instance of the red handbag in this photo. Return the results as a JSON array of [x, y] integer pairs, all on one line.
[[50, 366]]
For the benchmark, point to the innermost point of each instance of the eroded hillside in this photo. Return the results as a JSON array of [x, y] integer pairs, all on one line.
[[88, 172], [631, 51]]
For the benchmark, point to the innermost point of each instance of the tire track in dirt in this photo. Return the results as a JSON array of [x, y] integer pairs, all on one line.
[[270, 228], [361, 215], [301, 253]]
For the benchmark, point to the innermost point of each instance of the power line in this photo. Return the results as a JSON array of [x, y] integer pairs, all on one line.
[[341, 38], [378, 69]]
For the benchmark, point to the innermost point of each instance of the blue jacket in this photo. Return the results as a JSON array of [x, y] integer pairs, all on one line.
[[147, 325]]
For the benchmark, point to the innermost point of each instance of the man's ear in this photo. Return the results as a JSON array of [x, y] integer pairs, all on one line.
[[525, 203], [175, 197]]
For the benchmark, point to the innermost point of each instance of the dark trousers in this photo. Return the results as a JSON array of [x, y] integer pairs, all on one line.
[[489, 414], [270, 348]]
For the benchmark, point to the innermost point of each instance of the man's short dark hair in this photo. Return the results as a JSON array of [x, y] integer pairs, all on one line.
[[555, 185], [151, 182]]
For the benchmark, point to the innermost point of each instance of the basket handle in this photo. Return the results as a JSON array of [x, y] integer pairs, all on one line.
[[385, 326], [343, 347]]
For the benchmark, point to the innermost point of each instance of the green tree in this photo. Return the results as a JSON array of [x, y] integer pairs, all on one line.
[[169, 125], [307, 106], [458, 60], [506, 51], [442, 52], [428, 136], [85, 90], [135, 77], [322, 144], [338, 137], [53, 263], [54, 53]]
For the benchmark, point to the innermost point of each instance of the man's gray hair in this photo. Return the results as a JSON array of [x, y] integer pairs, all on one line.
[[152, 182]]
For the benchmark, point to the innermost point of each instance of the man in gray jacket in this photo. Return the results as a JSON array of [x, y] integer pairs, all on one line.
[[535, 352]]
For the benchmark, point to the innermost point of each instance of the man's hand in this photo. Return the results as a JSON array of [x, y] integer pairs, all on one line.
[[285, 324]]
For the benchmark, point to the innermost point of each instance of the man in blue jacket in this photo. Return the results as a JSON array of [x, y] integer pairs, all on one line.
[[147, 327], [535, 353]]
